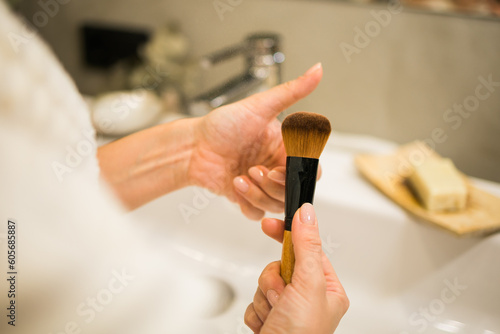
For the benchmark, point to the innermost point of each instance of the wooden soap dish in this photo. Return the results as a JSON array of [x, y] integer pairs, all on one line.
[[389, 173]]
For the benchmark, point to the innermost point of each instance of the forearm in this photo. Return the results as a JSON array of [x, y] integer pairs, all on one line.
[[149, 163]]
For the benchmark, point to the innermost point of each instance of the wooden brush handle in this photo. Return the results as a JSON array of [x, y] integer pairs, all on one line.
[[287, 257]]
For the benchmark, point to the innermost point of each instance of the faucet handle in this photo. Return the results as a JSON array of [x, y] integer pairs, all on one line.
[[219, 56], [254, 48], [263, 50], [263, 43]]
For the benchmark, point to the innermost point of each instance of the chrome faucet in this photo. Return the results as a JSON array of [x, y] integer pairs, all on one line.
[[263, 71]]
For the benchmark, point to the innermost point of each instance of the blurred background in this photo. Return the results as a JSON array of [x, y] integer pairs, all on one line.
[[395, 71]]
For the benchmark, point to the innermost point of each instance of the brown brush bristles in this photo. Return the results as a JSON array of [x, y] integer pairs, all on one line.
[[305, 134]]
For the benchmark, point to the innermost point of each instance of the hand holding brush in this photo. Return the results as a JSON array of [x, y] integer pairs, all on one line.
[[315, 301]]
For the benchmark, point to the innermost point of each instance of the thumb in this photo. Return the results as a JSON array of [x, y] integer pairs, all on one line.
[[270, 103], [307, 247]]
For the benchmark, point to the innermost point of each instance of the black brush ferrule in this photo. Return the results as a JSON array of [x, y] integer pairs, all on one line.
[[299, 185]]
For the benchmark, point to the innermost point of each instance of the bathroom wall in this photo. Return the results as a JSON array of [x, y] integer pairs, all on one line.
[[399, 81]]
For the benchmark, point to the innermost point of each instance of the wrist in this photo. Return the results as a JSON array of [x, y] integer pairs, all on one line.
[[199, 156], [178, 141]]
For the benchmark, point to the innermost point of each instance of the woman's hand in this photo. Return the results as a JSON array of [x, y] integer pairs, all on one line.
[[236, 151], [315, 301], [239, 150]]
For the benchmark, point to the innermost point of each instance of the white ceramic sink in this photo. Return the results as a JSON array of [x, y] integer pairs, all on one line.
[[401, 275]]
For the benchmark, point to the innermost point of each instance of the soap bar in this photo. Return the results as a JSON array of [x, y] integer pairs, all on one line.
[[439, 185]]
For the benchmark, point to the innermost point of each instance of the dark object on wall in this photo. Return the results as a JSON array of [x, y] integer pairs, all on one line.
[[104, 45]]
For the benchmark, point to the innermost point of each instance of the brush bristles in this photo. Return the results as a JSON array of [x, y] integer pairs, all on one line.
[[305, 134]]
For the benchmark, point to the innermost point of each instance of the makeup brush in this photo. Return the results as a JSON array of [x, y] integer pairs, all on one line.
[[305, 135]]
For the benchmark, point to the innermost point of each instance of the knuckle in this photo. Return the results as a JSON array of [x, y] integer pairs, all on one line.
[[266, 198], [345, 303], [251, 319], [312, 243], [251, 212], [262, 308], [248, 312], [267, 274], [274, 190], [290, 87], [260, 198], [256, 214]]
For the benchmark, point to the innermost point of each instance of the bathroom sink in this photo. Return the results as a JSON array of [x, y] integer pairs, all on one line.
[[401, 275]]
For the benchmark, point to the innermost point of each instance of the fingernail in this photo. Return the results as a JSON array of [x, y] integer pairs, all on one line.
[[241, 184], [307, 214], [256, 174], [276, 176], [313, 69], [272, 296]]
